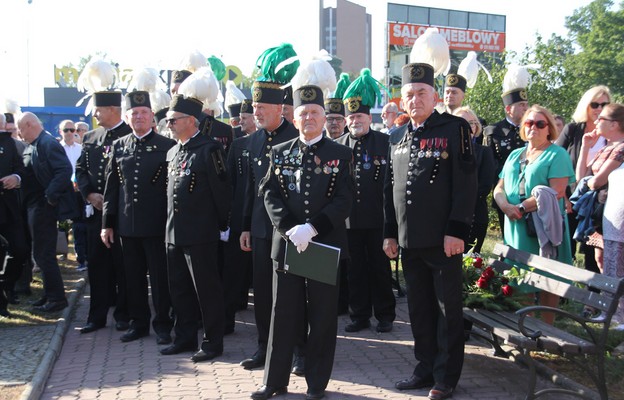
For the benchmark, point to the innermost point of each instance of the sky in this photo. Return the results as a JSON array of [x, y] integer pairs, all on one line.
[[39, 34]]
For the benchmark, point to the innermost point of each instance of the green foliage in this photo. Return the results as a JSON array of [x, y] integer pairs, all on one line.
[[485, 288], [485, 97]]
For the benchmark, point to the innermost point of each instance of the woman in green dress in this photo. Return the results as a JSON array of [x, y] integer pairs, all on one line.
[[539, 163]]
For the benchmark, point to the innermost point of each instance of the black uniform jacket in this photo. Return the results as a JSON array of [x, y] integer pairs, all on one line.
[[53, 171], [255, 218], [97, 147], [502, 138], [10, 163], [315, 187], [431, 185], [238, 167], [135, 201], [217, 130], [369, 163], [199, 193]]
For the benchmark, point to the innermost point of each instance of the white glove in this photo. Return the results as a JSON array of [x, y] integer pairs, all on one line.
[[225, 235], [88, 210], [301, 235]]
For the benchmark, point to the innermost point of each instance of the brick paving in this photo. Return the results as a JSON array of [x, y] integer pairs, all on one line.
[[99, 366]]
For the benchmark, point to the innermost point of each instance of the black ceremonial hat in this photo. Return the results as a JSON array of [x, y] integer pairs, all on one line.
[[187, 105], [107, 99], [267, 92], [247, 107], [308, 94], [334, 106], [454, 80], [138, 98], [418, 73]]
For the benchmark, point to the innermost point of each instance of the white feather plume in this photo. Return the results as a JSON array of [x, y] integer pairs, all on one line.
[[518, 77], [11, 106], [431, 48], [316, 71], [98, 75], [201, 85], [233, 95], [143, 79], [193, 61], [469, 69], [159, 100]]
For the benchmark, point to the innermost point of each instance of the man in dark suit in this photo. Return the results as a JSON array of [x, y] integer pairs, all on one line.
[[429, 197], [369, 273], [238, 263], [135, 205], [49, 197], [308, 193], [503, 137], [106, 271], [257, 228], [11, 222], [198, 202]]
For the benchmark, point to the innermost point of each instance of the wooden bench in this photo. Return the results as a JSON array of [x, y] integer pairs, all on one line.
[[524, 333]]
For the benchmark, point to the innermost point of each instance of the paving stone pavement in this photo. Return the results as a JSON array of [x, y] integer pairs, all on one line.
[[22, 346], [99, 366]]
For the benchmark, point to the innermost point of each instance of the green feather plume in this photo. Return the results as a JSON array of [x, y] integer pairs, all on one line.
[[278, 64], [342, 85], [218, 68], [364, 87]]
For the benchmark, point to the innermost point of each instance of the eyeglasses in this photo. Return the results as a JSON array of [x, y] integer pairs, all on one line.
[[595, 105], [173, 121], [538, 124], [72, 130], [601, 118], [335, 119]]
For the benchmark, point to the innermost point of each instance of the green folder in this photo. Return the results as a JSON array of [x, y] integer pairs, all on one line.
[[319, 262]]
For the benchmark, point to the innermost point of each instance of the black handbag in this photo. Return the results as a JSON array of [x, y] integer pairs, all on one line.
[[530, 225]]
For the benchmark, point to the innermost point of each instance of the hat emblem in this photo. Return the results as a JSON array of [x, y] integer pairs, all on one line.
[[452, 80], [308, 94], [417, 73], [523, 95], [138, 98], [257, 94], [353, 105], [334, 107]]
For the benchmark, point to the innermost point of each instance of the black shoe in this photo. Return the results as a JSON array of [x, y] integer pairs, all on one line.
[[178, 348], [5, 313], [384, 326], [315, 394], [163, 338], [205, 355], [414, 382], [440, 392], [256, 361], [90, 327], [133, 334], [12, 297], [357, 326], [299, 366], [267, 392], [40, 302], [122, 326], [52, 306]]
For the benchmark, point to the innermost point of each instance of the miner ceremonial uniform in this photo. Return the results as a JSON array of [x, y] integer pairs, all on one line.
[[217, 130], [135, 206], [198, 202], [238, 263], [370, 279], [106, 271], [306, 184], [430, 191], [256, 220]]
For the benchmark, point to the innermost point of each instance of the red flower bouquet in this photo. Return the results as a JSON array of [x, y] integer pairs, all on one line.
[[485, 288]]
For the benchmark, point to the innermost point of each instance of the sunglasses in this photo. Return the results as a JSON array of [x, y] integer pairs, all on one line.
[[538, 124], [72, 130], [595, 105], [173, 121]]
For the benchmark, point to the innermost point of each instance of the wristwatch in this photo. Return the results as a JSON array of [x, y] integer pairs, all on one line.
[[521, 208]]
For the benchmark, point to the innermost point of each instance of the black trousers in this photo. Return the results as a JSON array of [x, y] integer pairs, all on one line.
[[263, 287], [238, 264], [370, 277], [294, 298], [107, 278], [194, 277], [434, 299], [42, 223], [14, 233], [143, 255]]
